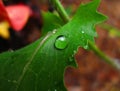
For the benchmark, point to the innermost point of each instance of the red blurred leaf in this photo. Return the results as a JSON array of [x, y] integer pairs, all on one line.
[[18, 15]]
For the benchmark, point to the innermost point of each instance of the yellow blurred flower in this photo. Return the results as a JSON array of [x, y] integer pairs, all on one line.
[[4, 30]]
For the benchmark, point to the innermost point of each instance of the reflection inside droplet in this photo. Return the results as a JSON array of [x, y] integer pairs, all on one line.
[[61, 42]]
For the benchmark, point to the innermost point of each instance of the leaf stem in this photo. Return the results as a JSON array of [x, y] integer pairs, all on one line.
[[60, 9], [113, 32], [105, 58]]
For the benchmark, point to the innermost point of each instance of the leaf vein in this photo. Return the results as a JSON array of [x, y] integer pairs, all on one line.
[[30, 61]]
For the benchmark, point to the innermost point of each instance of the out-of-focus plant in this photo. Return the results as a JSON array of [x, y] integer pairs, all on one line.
[[4, 32], [16, 17], [113, 31]]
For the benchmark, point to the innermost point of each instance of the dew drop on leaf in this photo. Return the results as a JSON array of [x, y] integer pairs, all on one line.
[[70, 59], [54, 31], [9, 81], [61, 42], [83, 32], [55, 89], [86, 47]]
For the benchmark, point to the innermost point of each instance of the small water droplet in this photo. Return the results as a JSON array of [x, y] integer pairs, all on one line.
[[74, 52], [71, 59], [86, 47], [83, 32], [61, 42], [54, 31], [55, 89], [14, 81], [9, 81]]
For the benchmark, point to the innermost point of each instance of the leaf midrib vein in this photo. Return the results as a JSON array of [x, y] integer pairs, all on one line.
[[30, 60]]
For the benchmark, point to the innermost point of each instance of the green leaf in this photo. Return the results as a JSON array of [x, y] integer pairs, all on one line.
[[40, 66], [50, 22]]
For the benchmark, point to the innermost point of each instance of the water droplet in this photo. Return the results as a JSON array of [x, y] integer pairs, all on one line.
[[71, 59], [9, 81], [48, 76], [61, 42], [55, 89], [86, 47], [74, 52], [83, 32], [54, 31], [14, 81]]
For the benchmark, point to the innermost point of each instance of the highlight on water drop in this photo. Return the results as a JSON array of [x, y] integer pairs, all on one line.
[[83, 32], [61, 42]]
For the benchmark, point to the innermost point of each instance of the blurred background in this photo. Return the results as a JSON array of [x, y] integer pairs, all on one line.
[[92, 73]]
